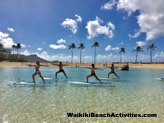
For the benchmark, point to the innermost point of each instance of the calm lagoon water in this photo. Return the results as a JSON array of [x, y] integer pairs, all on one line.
[[137, 92]]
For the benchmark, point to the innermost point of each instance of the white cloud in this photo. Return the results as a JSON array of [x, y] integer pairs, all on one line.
[[159, 56], [128, 5], [137, 34], [109, 5], [122, 43], [59, 57], [110, 48], [11, 29], [6, 40], [3, 35], [46, 56], [26, 53], [63, 57], [104, 58], [79, 18], [60, 46], [72, 24], [39, 49], [111, 25], [94, 28], [87, 59], [152, 25], [23, 45], [141, 43], [60, 41], [151, 17]]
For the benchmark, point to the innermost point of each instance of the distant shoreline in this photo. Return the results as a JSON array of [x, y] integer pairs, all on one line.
[[157, 66]]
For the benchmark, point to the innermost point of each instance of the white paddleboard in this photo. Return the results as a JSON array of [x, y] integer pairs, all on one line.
[[91, 83], [160, 79], [31, 83], [62, 79], [110, 79], [46, 78]]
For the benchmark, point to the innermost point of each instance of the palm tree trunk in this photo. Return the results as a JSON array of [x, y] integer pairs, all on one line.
[[121, 58], [80, 56], [95, 56], [1, 56], [12, 55], [17, 54], [72, 57], [136, 57], [150, 56]]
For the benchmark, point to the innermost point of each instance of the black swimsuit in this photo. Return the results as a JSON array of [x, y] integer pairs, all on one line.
[[112, 70], [61, 70], [92, 72]]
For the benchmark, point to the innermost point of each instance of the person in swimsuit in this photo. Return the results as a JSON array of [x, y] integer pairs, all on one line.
[[112, 71], [60, 70], [93, 73], [37, 66]]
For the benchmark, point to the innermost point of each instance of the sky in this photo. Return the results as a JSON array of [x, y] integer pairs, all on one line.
[[48, 27]]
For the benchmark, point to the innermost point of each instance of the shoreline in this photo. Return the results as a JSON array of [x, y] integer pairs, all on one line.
[[155, 66]]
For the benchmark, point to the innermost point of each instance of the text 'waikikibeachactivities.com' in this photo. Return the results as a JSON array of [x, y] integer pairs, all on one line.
[[110, 115]]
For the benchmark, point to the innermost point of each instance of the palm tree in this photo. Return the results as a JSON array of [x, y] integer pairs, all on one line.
[[14, 48], [96, 44], [1, 46], [72, 46], [137, 50], [122, 50], [1, 51], [151, 48], [81, 47], [18, 46]]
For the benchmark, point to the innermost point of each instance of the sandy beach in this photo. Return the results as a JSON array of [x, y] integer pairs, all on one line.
[[157, 66]]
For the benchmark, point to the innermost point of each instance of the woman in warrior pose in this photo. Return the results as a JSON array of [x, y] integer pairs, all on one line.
[[93, 73], [37, 66], [112, 71], [60, 70]]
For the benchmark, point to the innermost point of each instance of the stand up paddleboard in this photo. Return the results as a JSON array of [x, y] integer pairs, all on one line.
[[31, 83], [62, 79], [46, 78], [111, 79], [91, 83], [160, 79]]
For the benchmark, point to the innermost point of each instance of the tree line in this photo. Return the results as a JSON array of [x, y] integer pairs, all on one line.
[[138, 49], [72, 46], [15, 48]]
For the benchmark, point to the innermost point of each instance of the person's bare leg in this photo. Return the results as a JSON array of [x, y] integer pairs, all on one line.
[[88, 77], [108, 74], [65, 74], [97, 78], [33, 77], [116, 75], [41, 77], [56, 74]]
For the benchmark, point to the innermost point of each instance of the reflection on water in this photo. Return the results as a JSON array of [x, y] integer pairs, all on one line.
[[138, 92]]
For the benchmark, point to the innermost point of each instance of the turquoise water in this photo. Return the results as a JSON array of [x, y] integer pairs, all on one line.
[[137, 92]]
